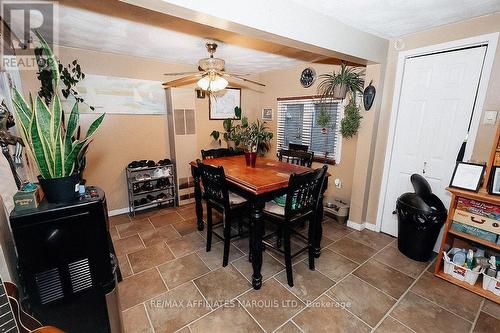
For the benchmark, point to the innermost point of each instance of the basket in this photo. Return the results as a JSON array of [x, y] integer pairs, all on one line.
[[491, 284], [459, 272]]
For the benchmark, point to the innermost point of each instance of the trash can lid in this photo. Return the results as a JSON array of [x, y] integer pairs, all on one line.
[[420, 185]]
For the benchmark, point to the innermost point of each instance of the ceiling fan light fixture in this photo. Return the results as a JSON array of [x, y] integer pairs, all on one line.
[[212, 84]]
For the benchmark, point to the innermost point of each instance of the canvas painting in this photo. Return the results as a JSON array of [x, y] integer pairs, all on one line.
[[222, 103], [119, 95]]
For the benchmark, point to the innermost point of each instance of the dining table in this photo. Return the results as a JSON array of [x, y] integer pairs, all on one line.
[[259, 184]]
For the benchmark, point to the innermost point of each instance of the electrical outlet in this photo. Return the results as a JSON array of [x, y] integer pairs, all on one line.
[[490, 117], [338, 183]]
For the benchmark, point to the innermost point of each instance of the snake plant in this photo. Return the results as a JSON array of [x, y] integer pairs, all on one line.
[[51, 144]]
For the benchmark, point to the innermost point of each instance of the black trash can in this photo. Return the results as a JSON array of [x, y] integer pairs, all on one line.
[[420, 218]]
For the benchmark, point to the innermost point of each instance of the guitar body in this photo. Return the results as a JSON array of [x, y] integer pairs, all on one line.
[[25, 322]]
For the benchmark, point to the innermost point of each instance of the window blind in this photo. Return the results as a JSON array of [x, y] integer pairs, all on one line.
[[297, 123]]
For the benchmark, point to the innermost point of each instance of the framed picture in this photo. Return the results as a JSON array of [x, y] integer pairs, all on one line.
[[467, 176], [267, 114], [222, 103], [494, 182]]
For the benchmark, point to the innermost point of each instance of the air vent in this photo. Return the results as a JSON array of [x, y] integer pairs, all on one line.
[[79, 272], [49, 286]]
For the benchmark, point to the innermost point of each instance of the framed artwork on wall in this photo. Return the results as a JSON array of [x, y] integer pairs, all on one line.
[[267, 114], [467, 176], [494, 182], [221, 104]]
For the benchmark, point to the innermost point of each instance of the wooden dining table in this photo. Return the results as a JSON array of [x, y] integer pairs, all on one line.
[[266, 181]]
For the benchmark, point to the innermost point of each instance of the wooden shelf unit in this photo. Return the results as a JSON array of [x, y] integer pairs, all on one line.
[[449, 234]]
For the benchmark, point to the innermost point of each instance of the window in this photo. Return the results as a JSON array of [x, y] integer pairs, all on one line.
[[298, 123]]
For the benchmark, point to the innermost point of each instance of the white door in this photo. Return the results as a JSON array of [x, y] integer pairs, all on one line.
[[436, 102]]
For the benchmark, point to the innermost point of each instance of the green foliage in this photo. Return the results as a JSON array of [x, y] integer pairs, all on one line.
[[324, 118], [349, 126], [347, 76], [257, 138], [69, 75], [51, 145], [232, 130]]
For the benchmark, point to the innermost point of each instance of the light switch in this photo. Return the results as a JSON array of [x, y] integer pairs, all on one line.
[[490, 117]]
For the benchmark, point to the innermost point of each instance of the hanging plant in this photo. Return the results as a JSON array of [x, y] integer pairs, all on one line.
[[337, 85], [349, 126]]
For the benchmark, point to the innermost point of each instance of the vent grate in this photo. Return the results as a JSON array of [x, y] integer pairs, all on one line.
[[49, 286], [79, 272]]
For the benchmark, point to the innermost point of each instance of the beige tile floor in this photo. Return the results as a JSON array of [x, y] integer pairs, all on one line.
[[361, 284]]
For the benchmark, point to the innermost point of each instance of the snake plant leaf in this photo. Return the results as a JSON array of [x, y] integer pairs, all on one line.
[[38, 151], [94, 126], [55, 128], [51, 59], [59, 157], [71, 157], [71, 128], [42, 118], [22, 108]]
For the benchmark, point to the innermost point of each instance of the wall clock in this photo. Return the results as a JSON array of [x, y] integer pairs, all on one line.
[[307, 77]]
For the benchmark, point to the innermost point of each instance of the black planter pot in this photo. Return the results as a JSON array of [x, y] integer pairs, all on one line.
[[60, 190]]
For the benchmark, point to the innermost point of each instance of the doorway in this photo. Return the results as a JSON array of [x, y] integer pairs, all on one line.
[[437, 103]]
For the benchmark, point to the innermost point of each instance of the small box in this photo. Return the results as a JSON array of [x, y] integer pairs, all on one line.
[[468, 229], [26, 200]]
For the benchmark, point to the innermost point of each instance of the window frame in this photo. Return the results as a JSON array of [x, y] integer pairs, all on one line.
[[334, 158]]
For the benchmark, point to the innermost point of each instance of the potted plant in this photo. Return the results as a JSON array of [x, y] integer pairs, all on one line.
[[50, 142], [336, 85], [323, 121], [256, 139], [349, 126]]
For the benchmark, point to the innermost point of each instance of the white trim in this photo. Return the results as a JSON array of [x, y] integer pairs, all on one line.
[[361, 226], [118, 211], [491, 40]]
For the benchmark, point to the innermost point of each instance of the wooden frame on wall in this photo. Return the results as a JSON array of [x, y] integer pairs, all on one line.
[[221, 104]]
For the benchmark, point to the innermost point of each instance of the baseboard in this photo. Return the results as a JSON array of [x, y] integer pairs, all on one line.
[[361, 226], [355, 225], [118, 211]]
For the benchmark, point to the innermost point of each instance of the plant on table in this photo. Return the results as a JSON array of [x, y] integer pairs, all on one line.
[[257, 138]]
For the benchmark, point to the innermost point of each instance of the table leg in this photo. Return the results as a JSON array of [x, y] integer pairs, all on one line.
[[257, 231], [318, 230], [197, 198]]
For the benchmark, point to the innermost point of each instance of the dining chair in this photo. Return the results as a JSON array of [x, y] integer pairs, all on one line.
[[215, 153], [301, 204], [236, 151], [296, 157], [297, 147], [230, 205]]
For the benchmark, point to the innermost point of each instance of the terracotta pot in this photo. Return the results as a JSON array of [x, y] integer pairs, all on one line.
[[339, 91], [250, 159]]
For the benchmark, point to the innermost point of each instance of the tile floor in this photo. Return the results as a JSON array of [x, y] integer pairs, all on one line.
[[361, 284]]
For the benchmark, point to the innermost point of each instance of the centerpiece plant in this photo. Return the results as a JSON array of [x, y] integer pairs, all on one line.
[[52, 143], [256, 140]]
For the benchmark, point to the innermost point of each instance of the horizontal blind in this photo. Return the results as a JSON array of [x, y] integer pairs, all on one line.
[[297, 124]]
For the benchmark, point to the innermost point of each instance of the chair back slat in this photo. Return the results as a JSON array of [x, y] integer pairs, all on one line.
[[303, 192], [296, 157], [214, 184], [215, 153], [297, 147]]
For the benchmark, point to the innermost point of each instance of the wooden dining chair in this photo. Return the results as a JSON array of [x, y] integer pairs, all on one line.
[[296, 157], [215, 153], [231, 206], [302, 200], [297, 147]]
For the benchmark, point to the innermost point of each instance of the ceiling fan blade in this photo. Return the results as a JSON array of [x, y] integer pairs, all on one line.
[[183, 81], [244, 79], [180, 73], [237, 74]]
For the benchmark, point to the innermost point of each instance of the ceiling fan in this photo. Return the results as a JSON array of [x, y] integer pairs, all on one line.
[[211, 75]]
